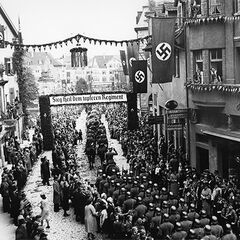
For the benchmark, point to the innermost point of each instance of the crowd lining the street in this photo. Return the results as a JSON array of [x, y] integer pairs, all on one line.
[[160, 197]]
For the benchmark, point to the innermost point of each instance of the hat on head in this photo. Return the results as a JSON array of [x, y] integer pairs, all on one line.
[[214, 220], [203, 213], [20, 217], [207, 229], [228, 228], [151, 206], [192, 233], [173, 209], [166, 216], [178, 226], [158, 209]]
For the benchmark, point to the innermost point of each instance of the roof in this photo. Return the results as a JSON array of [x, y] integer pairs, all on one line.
[[42, 56], [102, 60], [8, 21], [169, 6]]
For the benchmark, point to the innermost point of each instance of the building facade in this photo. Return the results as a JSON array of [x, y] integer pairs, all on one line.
[[11, 120], [154, 101], [212, 47]]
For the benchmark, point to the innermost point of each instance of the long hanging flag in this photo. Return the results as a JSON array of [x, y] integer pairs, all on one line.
[[163, 36], [124, 62], [132, 55], [139, 76], [1, 36]]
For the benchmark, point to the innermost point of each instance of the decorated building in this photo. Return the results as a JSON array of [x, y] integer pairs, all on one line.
[[213, 75], [10, 108], [154, 101], [105, 73]]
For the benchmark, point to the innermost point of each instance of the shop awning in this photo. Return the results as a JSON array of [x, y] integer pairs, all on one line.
[[236, 139]]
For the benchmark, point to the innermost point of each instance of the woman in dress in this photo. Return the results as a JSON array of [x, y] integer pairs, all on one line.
[[90, 219], [44, 210]]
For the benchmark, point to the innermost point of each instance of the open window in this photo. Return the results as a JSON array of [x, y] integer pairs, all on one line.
[[198, 66], [216, 65]]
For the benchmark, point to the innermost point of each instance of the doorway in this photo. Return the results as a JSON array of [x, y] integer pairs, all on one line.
[[202, 159]]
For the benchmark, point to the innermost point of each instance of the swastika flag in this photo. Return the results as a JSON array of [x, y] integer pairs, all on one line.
[[163, 37], [132, 55], [124, 61], [139, 76]]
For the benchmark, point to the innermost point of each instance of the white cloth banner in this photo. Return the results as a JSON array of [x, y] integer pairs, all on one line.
[[88, 98]]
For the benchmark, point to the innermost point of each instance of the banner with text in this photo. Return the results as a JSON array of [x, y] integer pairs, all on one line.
[[88, 98]]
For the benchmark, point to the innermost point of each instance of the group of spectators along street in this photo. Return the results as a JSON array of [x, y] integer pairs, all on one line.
[[160, 197]]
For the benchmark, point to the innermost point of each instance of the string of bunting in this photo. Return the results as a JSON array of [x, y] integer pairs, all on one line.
[[212, 19], [76, 38], [213, 87]]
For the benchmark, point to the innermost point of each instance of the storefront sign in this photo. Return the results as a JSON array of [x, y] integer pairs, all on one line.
[[88, 98], [155, 119], [177, 113], [174, 126]]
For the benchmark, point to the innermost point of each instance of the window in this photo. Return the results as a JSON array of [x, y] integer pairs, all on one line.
[[198, 66], [195, 8], [216, 65], [177, 63], [215, 7], [8, 66], [236, 6]]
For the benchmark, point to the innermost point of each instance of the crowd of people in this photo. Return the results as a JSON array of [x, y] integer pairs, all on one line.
[[20, 159], [160, 196]]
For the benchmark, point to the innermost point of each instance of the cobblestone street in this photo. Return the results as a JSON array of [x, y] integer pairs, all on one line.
[[64, 227]]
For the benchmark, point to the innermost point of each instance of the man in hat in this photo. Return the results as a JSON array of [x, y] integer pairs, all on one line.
[[155, 223], [129, 203], [204, 220], [185, 223], [148, 216], [192, 215], [198, 229], [207, 233], [45, 171], [21, 231], [166, 228], [216, 229], [174, 216], [140, 210], [179, 234], [206, 198], [229, 234]]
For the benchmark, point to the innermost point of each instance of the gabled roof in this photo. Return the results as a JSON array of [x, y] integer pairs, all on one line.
[[8, 21], [169, 6], [102, 60], [35, 57]]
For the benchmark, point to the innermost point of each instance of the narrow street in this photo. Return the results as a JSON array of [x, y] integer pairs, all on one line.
[[66, 227]]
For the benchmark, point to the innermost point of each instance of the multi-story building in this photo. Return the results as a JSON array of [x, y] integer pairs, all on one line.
[[213, 76], [10, 124], [48, 72], [104, 73], [158, 94]]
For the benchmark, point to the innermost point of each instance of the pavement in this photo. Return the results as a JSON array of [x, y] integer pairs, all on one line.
[[61, 227]]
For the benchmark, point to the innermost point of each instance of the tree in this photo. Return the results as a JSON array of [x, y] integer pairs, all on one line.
[[28, 90], [81, 86]]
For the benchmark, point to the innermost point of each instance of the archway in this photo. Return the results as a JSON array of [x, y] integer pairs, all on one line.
[[47, 101]]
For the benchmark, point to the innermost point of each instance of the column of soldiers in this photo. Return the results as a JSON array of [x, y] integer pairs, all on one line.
[[162, 196]]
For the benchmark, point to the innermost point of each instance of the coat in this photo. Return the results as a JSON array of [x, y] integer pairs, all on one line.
[[56, 193], [90, 219]]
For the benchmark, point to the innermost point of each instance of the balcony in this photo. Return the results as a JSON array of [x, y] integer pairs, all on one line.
[[225, 97]]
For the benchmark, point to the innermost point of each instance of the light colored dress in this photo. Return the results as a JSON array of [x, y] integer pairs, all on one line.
[[45, 209], [90, 219]]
